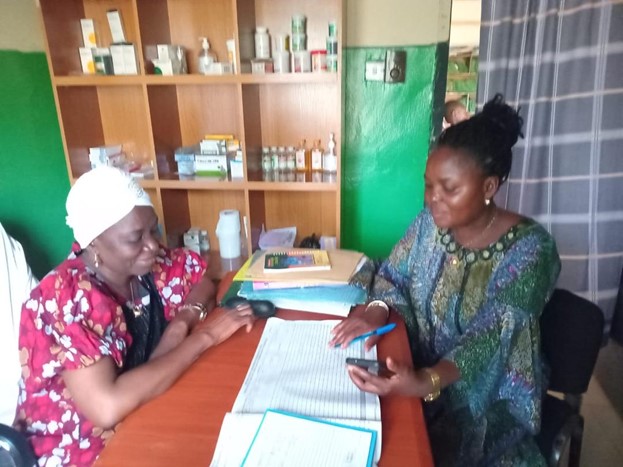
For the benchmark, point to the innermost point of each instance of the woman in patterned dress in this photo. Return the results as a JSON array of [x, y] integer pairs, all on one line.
[[114, 325], [470, 280]]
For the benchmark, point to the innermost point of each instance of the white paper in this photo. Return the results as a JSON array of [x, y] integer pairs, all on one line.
[[238, 429], [295, 370], [290, 440], [327, 308]]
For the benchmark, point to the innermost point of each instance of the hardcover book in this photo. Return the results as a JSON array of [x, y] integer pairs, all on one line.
[[299, 260]]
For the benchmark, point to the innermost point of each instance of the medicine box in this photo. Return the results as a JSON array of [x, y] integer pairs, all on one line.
[[213, 146], [221, 68], [235, 166], [175, 54], [124, 59], [262, 66], [86, 60], [185, 161], [88, 33], [163, 67], [206, 164], [103, 151], [116, 26]]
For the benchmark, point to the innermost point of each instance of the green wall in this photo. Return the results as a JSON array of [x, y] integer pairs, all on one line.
[[387, 133], [33, 176]]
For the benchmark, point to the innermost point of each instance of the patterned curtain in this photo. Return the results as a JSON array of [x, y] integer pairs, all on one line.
[[561, 62]]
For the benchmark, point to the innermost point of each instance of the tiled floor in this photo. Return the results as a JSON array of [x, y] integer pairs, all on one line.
[[602, 408]]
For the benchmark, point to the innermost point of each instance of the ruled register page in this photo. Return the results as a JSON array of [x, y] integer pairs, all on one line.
[[295, 370]]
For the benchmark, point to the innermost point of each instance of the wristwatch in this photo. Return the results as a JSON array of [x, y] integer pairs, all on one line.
[[198, 308]]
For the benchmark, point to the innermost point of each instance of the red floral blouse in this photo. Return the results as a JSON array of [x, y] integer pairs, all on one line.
[[67, 324]]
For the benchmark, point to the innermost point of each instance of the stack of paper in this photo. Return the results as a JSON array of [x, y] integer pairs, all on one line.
[[343, 265], [324, 291], [294, 370]]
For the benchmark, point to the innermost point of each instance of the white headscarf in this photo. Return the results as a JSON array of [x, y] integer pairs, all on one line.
[[99, 199]]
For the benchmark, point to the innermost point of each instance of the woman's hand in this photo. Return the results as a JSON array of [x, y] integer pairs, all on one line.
[[359, 322], [221, 323], [176, 331], [404, 380]]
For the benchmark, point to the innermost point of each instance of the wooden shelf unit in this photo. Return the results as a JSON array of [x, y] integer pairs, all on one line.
[[152, 115]]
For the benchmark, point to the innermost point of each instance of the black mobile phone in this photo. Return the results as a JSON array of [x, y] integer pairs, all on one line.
[[373, 366]]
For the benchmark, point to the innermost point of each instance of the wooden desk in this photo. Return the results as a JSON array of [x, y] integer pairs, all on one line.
[[181, 427]]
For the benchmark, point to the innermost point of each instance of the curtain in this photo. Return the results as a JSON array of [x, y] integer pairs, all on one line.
[[561, 62]]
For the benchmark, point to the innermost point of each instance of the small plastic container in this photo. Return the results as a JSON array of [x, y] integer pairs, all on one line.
[[280, 43], [261, 66], [301, 61], [332, 63], [228, 233], [299, 42], [319, 60], [281, 62], [331, 45], [262, 43], [299, 24]]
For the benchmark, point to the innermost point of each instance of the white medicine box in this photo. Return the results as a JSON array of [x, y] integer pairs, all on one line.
[[88, 33], [86, 60], [124, 59]]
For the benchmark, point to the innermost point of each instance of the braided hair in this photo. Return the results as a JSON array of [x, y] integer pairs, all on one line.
[[487, 137]]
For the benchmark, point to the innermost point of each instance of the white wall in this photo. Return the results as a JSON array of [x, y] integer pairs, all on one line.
[[368, 23], [374, 23], [20, 28], [465, 23]]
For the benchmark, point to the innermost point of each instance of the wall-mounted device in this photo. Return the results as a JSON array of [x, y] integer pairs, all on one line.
[[395, 66], [392, 70]]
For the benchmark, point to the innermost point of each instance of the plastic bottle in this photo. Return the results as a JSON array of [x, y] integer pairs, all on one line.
[[302, 158], [267, 164], [206, 58], [316, 157], [283, 161], [329, 160], [262, 43], [290, 159], [274, 157]]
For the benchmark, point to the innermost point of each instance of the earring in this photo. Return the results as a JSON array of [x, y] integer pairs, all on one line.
[[487, 201], [96, 259]]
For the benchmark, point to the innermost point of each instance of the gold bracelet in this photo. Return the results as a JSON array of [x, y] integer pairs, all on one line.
[[198, 308], [436, 383]]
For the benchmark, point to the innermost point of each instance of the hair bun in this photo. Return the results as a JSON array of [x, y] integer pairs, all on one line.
[[504, 118]]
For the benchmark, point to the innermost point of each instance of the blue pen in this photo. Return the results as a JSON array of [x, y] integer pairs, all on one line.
[[377, 332]]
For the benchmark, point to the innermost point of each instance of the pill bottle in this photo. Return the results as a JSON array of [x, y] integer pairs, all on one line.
[[262, 42]]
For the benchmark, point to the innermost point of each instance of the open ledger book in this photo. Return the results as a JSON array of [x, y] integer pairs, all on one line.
[[294, 370]]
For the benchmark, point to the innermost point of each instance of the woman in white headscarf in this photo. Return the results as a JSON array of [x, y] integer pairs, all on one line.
[[113, 325]]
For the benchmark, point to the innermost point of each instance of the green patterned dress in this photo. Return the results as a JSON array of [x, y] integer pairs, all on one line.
[[479, 309]]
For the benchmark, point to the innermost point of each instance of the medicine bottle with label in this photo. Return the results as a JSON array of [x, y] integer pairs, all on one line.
[[329, 160], [302, 158], [290, 159], [267, 164], [274, 157], [283, 162], [262, 42], [316, 157]]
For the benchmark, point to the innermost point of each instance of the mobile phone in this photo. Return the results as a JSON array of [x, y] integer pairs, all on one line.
[[373, 366]]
